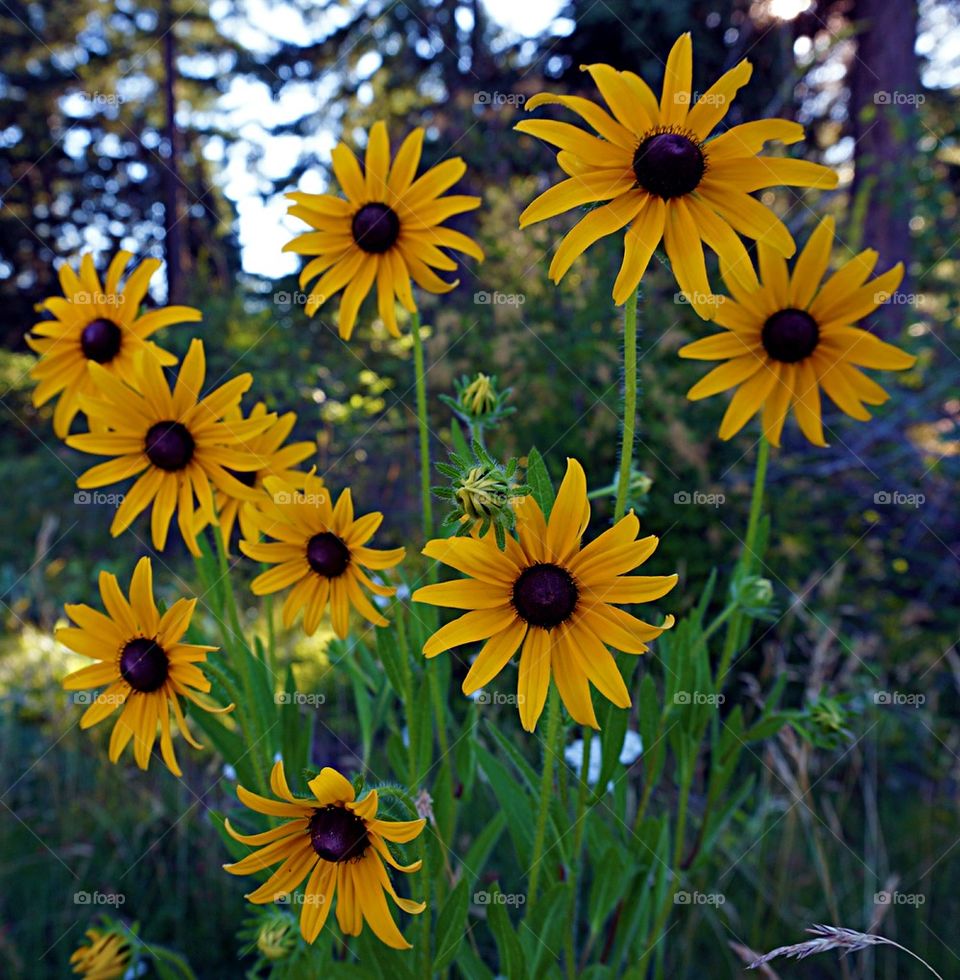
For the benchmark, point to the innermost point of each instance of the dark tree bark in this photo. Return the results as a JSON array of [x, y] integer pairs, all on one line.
[[885, 97], [172, 187]]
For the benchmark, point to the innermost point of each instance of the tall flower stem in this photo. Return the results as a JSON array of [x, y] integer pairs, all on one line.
[[552, 748], [747, 558], [421, 385], [629, 404]]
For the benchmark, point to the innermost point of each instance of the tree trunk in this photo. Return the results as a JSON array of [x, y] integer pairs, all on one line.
[[885, 99], [172, 188]]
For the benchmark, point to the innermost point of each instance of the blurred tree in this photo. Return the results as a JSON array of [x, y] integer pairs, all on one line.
[[87, 129]]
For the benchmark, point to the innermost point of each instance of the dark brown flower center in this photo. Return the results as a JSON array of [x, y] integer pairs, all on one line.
[[144, 665], [337, 834], [327, 554], [375, 228], [545, 595], [100, 341], [668, 165], [169, 445], [790, 335]]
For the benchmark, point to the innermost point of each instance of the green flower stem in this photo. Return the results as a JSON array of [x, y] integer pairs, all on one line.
[[421, 385], [551, 748], [745, 564], [579, 824], [629, 404]]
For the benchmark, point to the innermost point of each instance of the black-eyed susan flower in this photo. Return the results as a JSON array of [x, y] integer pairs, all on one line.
[[320, 549], [787, 336], [387, 230], [142, 666], [662, 177], [179, 442], [105, 955], [273, 458], [98, 322], [552, 597], [340, 844]]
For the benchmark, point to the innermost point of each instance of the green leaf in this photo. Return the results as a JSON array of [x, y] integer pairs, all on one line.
[[540, 484], [480, 850], [512, 959], [609, 886], [613, 730], [545, 925], [515, 805], [451, 926]]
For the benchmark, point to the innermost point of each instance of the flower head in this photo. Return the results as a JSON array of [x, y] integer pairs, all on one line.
[[178, 441], [787, 336], [105, 956], [551, 596], [99, 323], [142, 665], [663, 177], [387, 230], [340, 844], [319, 549], [274, 459]]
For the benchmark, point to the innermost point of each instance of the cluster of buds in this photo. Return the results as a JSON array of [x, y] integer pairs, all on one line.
[[481, 493], [277, 936], [478, 403]]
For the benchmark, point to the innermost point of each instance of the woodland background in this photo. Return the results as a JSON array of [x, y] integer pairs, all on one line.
[[172, 127]]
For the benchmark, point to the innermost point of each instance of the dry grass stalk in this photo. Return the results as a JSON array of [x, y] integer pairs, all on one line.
[[835, 938]]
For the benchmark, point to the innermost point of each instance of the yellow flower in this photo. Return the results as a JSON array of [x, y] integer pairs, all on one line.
[[273, 458], [547, 593], [786, 336], [339, 842], [99, 323], [106, 956], [319, 550], [664, 178], [179, 442], [388, 229], [141, 663], [479, 396]]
